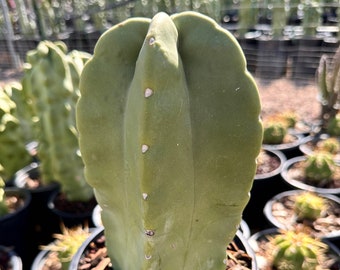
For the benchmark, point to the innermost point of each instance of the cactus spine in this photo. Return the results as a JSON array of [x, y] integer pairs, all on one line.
[[52, 95], [169, 138]]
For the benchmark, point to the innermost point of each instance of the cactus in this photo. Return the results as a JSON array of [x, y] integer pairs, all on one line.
[[67, 243], [319, 166], [274, 132], [248, 14], [279, 17], [49, 87], [308, 205], [330, 145], [328, 82], [13, 152], [296, 250], [163, 126], [311, 17]]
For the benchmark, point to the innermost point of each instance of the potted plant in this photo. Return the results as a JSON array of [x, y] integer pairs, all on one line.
[[58, 254], [317, 212], [281, 249], [154, 137], [279, 134], [317, 172], [51, 82]]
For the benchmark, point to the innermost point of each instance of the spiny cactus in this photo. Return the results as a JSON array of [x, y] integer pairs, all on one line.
[[52, 95], [67, 243], [319, 166], [296, 250], [13, 152], [163, 125], [328, 82], [274, 132], [330, 145], [308, 205]]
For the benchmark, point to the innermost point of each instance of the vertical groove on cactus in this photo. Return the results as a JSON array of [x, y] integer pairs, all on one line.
[[169, 133]]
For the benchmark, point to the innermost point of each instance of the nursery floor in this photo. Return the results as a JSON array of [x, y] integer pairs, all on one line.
[[278, 95]]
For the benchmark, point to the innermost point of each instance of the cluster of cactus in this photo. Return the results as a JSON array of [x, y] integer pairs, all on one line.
[[161, 126], [296, 250], [51, 88], [319, 166], [327, 79], [67, 243], [308, 205], [13, 152]]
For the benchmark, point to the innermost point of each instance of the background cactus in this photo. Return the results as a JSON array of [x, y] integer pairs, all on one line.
[[309, 205], [52, 95], [274, 132], [319, 166], [327, 79], [169, 138], [330, 145], [297, 251], [13, 152]]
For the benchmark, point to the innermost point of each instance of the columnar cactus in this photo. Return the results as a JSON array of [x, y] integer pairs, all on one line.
[[51, 92], [169, 132], [328, 82]]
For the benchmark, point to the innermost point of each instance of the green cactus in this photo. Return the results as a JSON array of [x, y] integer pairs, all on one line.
[[274, 132], [308, 205], [297, 251], [248, 14], [328, 82], [319, 166], [311, 17], [3, 205], [279, 17], [51, 92], [169, 136], [13, 152], [330, 145]]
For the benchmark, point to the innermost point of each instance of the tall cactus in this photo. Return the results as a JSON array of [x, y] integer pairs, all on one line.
[[328, 82], [169, 130], [51, 93]]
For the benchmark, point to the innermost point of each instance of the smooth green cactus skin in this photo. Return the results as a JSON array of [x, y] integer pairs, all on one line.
[[169, 132], [51, 92]]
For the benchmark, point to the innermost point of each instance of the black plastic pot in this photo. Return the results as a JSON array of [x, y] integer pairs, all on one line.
[[98, 232], [69, 219], [14, 226], [265, 186], [334, 236]]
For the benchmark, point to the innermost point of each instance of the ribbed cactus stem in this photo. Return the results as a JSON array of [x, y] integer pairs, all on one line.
[[50, 88], [169, 132]]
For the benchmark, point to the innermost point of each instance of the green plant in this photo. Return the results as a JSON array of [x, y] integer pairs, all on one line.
[[311, 17], [3, 206], [274, 132], [319, 166], [327, 79], [330, 145], [296, 250], [308, 205], [13, 152], [52, 94], [164, 126], [67, 243], [279, 17], [248, 14]]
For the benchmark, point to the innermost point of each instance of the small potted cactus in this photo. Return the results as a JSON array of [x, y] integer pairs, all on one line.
[[315, 172], [58, 254], [293, 250], [317, 212], [163, 126]]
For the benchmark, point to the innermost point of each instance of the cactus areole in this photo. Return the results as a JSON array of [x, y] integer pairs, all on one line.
[[169, 133]]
